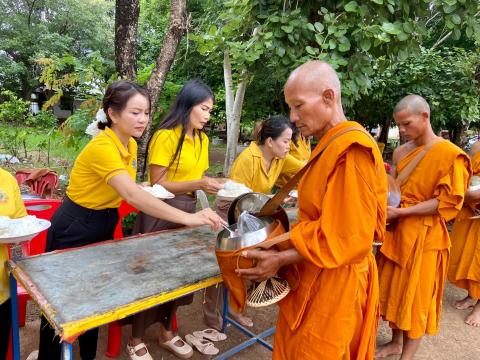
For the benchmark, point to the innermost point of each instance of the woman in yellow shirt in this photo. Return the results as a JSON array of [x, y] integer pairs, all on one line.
[[177, 160], [11, 205], [104, 174], [266, 161], [300, 147]]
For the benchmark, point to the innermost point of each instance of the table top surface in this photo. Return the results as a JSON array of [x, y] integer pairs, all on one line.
[[95, 280]]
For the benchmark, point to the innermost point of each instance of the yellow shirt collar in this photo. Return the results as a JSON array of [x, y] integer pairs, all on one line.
[[123, 152]]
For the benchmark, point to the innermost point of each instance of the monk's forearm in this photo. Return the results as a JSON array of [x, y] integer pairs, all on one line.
[[429, 207], [290, 256], [472, 197]]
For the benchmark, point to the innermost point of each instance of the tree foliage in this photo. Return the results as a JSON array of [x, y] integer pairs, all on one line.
[[43, 28]]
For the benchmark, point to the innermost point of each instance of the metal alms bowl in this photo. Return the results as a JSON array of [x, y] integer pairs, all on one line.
[[253, 203], [225, 242]]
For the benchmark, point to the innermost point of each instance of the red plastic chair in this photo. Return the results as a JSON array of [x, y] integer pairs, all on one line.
[[115, 329], [42, 185], [42, 209]]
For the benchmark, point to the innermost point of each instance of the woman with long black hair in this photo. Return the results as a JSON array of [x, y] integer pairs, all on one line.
[[177, 159]]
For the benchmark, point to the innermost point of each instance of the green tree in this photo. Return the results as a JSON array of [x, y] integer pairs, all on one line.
[[445, 78], [276, 36], [44, 28]]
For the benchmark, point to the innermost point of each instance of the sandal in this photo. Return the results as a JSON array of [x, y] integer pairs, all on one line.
[[131, 351], [184, 351], [203, 346], [210, 334]]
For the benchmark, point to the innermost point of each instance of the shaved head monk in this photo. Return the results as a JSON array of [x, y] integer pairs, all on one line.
[[333, 313], [433, 175], [464, 268]]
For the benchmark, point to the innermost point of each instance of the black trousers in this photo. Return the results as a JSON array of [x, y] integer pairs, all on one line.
[[73, 226], [5, 325]]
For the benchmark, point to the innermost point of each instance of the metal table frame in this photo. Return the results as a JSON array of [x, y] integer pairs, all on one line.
[[254, 338]]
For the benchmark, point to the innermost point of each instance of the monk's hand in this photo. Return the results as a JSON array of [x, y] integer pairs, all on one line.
[[267, 264], [393, 213]]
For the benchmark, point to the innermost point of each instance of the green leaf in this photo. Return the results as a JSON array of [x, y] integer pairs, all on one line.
[[319, 27], [280, 51], [311, 51], [379, 2], [448, 9], [390, 8], [319, 39], [402, 36], [390, 28], [456, 19], [365, 44], [287, 28], [408, 27], [344, 44], [310, 27], [332, 44], [351, 6]]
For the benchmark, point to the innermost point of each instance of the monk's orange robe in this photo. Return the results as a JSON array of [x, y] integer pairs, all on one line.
[[464, 268], [414, 257], [333, 314]]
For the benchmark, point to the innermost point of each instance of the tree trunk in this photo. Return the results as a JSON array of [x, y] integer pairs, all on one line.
[[384, 133], [458, 134], [178, 23], [126, 24], [233, 105]]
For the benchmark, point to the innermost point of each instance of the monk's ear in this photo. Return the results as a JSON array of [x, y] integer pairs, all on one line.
[[112, 114], [425, 116], [328, 96], [269, 142]]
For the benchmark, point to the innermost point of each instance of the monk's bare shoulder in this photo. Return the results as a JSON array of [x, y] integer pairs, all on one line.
[[401, 151]]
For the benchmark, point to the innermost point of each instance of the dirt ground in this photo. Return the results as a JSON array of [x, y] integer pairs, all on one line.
[[456, 340]]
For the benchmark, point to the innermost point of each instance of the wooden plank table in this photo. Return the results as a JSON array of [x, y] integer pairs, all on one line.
[[83, 288]]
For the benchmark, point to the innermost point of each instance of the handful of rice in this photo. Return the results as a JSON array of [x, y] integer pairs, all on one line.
[[19, 227], [232, 189]]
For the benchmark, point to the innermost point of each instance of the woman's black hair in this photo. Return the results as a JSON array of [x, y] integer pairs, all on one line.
[[194, 92], [272, 127], [116, 97]]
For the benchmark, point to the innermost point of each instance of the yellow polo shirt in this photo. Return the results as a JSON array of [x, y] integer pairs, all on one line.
[[193, 160], [100, 160], [249, 169], [303, 151], [11, 205]]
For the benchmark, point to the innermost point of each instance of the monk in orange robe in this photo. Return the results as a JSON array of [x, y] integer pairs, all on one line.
[[413, 259], [333, 314], [464, 268]]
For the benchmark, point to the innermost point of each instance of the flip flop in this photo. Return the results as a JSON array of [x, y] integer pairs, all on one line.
[[210, 334], [203, 346], [184, 351]]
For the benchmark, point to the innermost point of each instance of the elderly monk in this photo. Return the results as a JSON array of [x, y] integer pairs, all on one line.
[[333, 313], [414, 257], [464, 268]]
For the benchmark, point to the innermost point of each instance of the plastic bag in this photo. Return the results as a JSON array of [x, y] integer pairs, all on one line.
[[248, 223], [394, 194]]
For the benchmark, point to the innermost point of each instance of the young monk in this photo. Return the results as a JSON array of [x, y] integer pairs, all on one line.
[[332, 314], [414, 256], [464, 268]]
